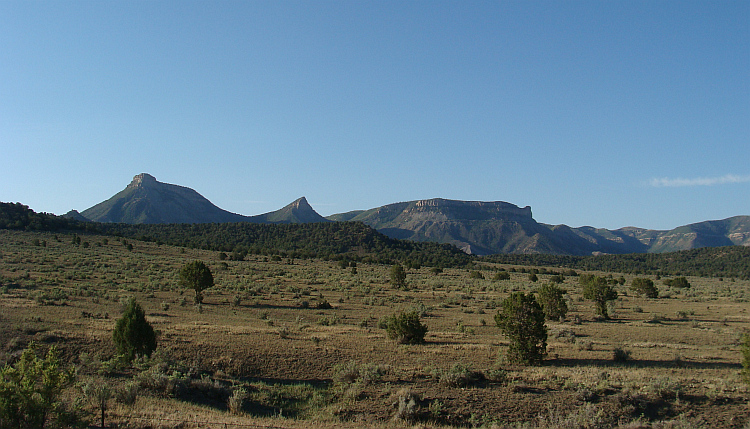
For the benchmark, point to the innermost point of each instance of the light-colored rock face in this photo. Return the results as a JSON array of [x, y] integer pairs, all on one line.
[[740, 238], [143, 179], [490, 207]]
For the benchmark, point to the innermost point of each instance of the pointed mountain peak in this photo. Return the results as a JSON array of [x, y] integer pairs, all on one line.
[[298, 211], [301, 204], [142, 180]]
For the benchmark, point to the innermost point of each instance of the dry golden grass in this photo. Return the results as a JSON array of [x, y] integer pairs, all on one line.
[[261, 324]]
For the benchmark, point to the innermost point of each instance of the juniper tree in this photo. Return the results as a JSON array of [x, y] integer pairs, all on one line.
[[197, 276], [398, 276], [521, 319], [552, 300], [133, 335], [598, 290]]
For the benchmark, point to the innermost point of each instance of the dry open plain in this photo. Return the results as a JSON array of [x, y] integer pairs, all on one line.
[[301, 339]]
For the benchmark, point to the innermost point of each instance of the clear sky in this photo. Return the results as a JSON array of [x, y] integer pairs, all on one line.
[[603, 113]]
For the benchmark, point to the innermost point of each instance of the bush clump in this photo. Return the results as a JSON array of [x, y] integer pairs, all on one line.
[[406, 328], [644, 287], [31, 392], [677, 282], [459, 376], [501, 275], [352, 372], [620, 355]]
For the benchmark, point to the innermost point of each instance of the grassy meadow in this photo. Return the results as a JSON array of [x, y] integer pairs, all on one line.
[[291, 343]]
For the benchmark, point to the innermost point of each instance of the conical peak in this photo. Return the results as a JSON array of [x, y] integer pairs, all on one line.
[[301, 203], [143, 179]]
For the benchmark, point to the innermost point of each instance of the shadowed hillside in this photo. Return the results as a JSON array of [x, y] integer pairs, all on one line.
[[485, 228]]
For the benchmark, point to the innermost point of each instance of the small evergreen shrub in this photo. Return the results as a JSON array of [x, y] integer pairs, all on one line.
[[197, 276], [406, 328], [133, 334]]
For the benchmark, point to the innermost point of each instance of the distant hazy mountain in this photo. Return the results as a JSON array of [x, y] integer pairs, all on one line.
[[499, 227], [297, 212], [476, 227], [713, 233], [145, 200]]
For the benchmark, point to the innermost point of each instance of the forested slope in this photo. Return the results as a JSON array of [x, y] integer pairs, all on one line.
[[330, 240], [728, 261], [357, 241]]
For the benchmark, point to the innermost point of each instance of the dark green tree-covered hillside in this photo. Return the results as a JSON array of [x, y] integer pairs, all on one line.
[[358, 242], [333, 240], [19, 216], [728, 261], [330, 240]]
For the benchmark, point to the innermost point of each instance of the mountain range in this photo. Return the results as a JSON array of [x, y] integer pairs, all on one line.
[[476, 227], [146, 200]]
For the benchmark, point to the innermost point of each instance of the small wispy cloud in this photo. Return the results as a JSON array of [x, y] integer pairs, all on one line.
[[697, 181]]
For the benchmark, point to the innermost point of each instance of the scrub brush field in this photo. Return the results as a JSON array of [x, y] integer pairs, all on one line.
[[290, 343]]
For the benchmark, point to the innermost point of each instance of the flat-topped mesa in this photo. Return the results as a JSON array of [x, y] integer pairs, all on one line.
[[143, 179], [497, 208]]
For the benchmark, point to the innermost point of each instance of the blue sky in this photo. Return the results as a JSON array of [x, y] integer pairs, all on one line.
[[602, 113]]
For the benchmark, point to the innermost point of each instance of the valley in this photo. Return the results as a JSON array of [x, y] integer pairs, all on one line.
[[302, 339]]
